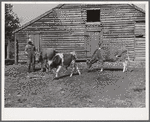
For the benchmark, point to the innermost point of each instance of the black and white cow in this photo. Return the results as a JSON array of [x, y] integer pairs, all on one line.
[[64, 60], [45, 56], [111, 53]]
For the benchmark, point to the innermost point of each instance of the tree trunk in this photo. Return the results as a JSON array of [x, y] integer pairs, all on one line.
[[8, 49]]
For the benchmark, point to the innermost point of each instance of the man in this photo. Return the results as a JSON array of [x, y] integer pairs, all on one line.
[[30, 52]]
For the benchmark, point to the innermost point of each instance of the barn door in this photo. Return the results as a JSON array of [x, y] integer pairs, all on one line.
[[35, 38], [92, 42]]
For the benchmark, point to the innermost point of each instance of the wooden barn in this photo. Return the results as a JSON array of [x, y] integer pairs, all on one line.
[[80, 27]]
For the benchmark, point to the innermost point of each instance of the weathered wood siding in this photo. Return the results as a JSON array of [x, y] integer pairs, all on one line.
[[140, 41], [66, 28], [119, 26], [21, 39], [62, 30], [118, 23]]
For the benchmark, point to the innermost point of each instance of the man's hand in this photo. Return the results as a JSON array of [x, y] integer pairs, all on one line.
[[25, 53]]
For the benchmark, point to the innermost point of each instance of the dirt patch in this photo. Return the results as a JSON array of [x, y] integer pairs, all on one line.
[[110, 88]]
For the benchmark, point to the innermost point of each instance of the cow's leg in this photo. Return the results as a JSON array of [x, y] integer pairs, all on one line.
[[72, 71], [57, 71], [76, 66], [78, 70], [102, 67], [48, 65], [125, 65], [73, 67], [42, 65], [101, 63]]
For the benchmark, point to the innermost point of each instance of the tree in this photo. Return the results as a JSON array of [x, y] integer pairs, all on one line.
[[11, 24]]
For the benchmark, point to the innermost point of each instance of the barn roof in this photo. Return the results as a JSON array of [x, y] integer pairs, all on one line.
[[137, 8], [37, 18], [59, 6]]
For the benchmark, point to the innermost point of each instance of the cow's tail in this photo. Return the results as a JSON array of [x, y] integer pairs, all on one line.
[[128, 61], [128, 58]]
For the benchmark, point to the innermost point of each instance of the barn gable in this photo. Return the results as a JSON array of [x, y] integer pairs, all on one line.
[[77, 6], [66, 28]]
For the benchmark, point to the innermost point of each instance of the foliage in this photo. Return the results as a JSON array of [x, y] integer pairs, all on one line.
[[11, 22]]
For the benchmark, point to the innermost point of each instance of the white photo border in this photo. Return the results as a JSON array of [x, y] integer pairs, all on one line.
[[74, 113]]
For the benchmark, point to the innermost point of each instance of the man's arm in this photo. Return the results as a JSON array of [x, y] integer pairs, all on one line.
[[26, 47]]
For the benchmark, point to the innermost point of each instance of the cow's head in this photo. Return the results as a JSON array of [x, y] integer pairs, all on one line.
[[37, 56], [49, 65], [89, 64]]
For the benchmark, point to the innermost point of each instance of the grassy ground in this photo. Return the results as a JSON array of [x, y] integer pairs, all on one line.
[[110, 88]]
